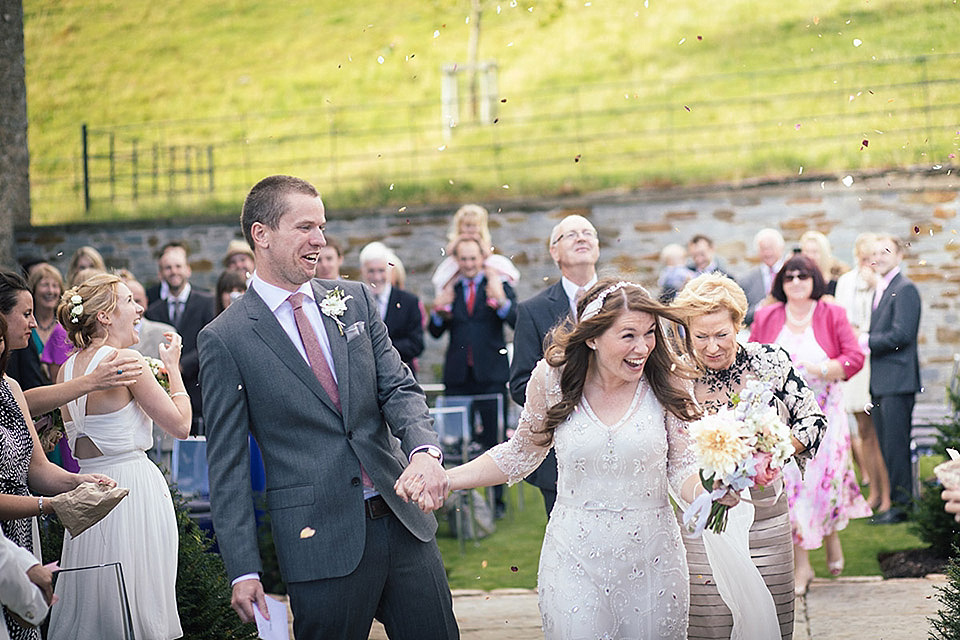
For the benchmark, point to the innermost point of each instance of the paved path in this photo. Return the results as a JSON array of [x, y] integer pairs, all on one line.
[[842, 609]]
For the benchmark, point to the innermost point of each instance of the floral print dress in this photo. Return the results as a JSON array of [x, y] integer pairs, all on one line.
[[824, 500]]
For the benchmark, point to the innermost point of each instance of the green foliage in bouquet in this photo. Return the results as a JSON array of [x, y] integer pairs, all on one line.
[[946, 624], [159, 371]]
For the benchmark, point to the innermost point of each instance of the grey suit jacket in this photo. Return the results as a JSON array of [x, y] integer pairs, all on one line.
[[255, 380], [752, 284], [894, 324]]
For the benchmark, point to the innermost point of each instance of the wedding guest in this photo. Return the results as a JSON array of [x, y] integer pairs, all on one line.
[[274, 365], [824, 350], [607, 398], [673, 273], [26, 586], [703, 257], [575, 249], [472, 221], [188, 309], [49, 338], [475, 312], [239, 257], [150, 332], [399, 309], [713, 306], [85, 257], [855, 290], [330, 259], [109, 432], [894, 370], [230, 285], [25, 472], [816, 246], [757, 282]]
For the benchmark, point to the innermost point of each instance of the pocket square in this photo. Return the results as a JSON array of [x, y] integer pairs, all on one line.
[[354, 330]]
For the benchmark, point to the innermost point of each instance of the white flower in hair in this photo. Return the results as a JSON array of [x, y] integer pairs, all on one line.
[[593, 308], [76, 299]]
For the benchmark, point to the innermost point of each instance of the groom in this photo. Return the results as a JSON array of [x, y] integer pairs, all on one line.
[[306, 366]]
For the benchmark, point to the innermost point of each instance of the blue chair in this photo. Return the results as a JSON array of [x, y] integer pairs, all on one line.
[[189, 474]]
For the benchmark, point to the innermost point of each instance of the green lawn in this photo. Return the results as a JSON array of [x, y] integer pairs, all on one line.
[[509, 557], [239, 76]]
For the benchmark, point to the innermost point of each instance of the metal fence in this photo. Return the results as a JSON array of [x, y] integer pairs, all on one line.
[[893, 112]]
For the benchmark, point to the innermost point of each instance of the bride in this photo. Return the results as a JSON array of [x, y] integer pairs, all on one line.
[[108, 433], [608, 398]]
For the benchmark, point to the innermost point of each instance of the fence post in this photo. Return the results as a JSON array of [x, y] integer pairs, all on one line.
[[133, 168], [210, 165], [113, 168], [86, 169]]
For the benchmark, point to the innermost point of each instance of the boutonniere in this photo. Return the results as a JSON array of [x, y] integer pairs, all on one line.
[[334, 304]]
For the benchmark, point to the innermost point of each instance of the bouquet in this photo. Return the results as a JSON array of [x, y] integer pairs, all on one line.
[[159, 371], [736, 449]]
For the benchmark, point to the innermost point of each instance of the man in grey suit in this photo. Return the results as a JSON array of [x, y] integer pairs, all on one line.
[[894, 370], [757, 282], [306, 366], [575, 249]]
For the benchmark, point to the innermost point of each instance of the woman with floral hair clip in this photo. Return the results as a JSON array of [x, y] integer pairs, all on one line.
[[609, 397], [109, 432]]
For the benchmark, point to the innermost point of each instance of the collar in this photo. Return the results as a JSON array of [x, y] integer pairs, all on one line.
[[890, 276], [385, 292], [273, 296], [570, 287], [475, 279], [184, 294]]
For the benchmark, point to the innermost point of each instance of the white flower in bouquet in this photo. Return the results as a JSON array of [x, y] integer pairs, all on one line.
[[718, 443]]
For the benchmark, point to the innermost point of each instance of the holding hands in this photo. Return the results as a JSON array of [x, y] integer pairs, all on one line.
[[424, 481]]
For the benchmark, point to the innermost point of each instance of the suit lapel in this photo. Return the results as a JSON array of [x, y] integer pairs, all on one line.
[[265, 325], [338, 344], [559, 302]]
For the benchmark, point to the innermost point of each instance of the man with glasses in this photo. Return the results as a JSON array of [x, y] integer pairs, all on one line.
[[575, 249]]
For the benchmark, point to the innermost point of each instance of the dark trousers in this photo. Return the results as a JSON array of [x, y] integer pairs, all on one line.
[[400, 581], [893, 419], [486, 410]]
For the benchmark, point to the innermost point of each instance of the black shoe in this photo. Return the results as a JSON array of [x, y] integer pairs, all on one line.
[[890, 516], [499, 511]]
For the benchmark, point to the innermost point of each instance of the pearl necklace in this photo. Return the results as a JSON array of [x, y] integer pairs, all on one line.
[[802, 321]]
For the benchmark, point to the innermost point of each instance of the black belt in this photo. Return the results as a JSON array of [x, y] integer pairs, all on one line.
[[376, 507]]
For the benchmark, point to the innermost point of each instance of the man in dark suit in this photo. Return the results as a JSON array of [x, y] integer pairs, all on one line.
[[574, 248], [399, 309], [307, 368], [894, 370], [758, 281], [188, 310], [475, 312]]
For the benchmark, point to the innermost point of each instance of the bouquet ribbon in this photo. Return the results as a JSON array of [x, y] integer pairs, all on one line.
[[699, 510]]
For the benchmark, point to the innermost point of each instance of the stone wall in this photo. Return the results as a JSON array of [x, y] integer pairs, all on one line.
[[632, 227]]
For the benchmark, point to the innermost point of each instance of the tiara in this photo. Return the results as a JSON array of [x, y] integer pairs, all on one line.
[[77, 309], [596, 304]]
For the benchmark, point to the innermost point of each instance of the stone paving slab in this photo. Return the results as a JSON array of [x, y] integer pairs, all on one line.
[[843, 609]]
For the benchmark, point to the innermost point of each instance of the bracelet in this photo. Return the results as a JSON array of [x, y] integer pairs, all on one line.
[[179, 393], [39, 506]]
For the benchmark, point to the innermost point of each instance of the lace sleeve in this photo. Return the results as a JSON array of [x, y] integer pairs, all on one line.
[[521, 455], [807, 422], [681, 462]]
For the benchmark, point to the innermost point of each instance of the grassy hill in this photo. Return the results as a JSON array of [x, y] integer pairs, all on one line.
[[214, 73]]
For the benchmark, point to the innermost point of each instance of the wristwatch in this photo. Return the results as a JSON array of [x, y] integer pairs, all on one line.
[[433, 452]]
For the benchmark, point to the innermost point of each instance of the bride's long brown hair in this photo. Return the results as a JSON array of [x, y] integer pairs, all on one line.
[[569, 352]]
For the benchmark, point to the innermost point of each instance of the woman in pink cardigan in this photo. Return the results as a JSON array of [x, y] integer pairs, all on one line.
[[824, 349]]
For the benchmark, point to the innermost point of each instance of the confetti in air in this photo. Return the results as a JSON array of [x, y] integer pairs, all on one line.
[[847, 181]]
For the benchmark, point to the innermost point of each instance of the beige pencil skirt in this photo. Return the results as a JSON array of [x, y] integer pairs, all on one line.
[[771, 547]]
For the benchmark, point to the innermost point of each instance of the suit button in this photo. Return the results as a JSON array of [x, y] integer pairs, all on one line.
[[355, 482], [349, 435]]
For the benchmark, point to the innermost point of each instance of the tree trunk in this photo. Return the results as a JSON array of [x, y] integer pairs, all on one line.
[[14, 156]]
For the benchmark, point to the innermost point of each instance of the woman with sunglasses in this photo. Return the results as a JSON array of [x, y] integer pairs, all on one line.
[[824, 350]]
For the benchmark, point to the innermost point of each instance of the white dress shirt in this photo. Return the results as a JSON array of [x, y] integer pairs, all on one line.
[[571, 289]]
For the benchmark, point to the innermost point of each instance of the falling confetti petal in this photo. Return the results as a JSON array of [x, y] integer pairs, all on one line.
[[380, 59], [577, 158], [682, 40], [514, 568], [686, 107], [801, 170], [307, 532], [797, 126], [436, 34], [864, 144], [847, 181], [857, 42]]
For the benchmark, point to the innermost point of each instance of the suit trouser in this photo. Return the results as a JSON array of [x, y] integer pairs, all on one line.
[[400, 581], [893, 419]]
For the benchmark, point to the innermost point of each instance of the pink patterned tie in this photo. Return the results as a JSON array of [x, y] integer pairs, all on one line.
[[314, 351], [318, 362]]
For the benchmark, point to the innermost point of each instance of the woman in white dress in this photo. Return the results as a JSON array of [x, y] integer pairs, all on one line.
[[109, 432], [608, 397]]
